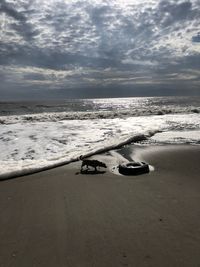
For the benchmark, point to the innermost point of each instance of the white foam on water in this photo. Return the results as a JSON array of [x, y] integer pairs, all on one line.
[[31, 145], [174, 137]]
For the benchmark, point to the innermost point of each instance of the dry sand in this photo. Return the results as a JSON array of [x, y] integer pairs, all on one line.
[[57, 218]]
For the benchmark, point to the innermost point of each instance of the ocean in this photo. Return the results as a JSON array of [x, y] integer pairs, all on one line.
[[39, 135]]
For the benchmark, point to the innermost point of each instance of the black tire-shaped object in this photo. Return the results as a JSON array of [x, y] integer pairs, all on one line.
[[133, 168]]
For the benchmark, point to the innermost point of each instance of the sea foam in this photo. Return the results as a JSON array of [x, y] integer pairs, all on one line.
[[30, 145]]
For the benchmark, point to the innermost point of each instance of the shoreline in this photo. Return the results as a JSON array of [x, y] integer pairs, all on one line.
[[61, 218], [25, 172]]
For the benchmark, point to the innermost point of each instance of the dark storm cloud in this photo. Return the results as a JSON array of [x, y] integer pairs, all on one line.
[[80, 44], [20, 23], [26, 30], [46, 58], [34, 76], [196, 38], [172, 12], [11, 11]]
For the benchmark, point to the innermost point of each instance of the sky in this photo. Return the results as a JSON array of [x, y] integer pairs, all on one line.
[[56, 49]]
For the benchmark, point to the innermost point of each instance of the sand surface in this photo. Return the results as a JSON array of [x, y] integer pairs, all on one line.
[[57, 218]]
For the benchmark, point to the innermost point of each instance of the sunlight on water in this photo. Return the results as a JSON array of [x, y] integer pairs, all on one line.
[[40, 140]]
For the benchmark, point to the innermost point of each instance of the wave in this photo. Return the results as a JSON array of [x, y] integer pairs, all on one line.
[[92, 115], [29, 146], [33, 169]]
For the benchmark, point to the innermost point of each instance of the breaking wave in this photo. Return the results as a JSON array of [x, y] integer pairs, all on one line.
[[41, 141], [60, 116], [36, 136]]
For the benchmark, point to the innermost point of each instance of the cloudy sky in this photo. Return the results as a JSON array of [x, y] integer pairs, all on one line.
[[96, 48]]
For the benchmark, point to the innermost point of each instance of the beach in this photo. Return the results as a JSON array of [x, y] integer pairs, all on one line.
[[60, 217], [115, 84]]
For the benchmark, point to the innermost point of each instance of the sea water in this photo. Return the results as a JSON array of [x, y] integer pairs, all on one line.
[[39, 135]]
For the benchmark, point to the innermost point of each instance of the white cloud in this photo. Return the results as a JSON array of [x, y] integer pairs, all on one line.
[[77, 41]]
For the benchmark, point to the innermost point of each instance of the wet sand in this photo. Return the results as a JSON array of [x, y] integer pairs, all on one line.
[[63, 219]]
